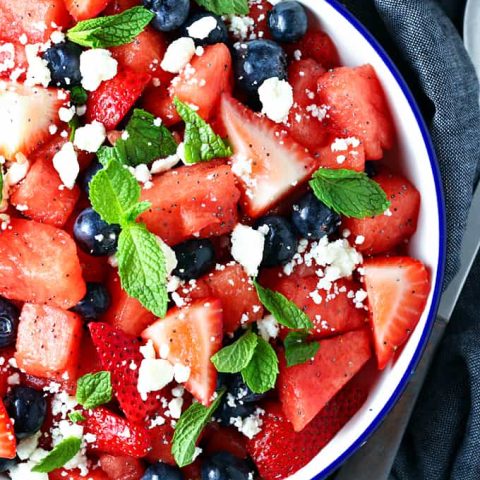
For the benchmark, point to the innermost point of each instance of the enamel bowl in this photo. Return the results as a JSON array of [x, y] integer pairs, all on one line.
[[415, 157]]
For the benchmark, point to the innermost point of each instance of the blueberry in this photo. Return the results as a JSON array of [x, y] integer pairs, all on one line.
[[287, 21], [27, 407], [280, 240], [225, 466], [90, 172], [256, 61], [7, 464], [371, 168], [195, 258], [95, 302], [239, 390], [169, 14], [199, 23], [95, 236], [313, 219], [64, 64], [8, 323], [162, 471]]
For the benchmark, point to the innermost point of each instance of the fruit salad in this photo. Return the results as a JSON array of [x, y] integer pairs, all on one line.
[[203, 239]]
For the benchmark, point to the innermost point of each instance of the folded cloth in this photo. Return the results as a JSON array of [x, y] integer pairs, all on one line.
[[443, 439]]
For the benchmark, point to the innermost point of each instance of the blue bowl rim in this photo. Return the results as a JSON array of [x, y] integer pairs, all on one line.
[[442, 237]]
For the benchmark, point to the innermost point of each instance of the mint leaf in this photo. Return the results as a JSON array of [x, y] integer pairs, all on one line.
[[76, 417], [284, 311], [188, 429], [103, 32], [225, 7], [201, 142], [261, 373], [298, 349], [236, 357], [349, 193], [78, 95], [141, 265], [59, 456], [94, 389], [145, 141], [114, 192], [107, 154], [73, 124]]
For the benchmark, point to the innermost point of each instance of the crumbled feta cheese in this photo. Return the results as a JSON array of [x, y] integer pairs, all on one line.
[[66, 114], [23, 471], [148, 350], [96, 66], [153, 375], [247, 248], [181, 373], [163, 164], [178, 55], [16, 172], [342, 144], [81, 110], [202, 28], [90, 137], [251, 425], [277, 98], [175, 407], [57, 36], [27, 446], [65, 162], [240, 26], [242, 167], [142, 173], [164, 350], [38, 72], [268, 327]]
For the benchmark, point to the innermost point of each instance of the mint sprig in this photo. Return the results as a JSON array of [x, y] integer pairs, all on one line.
[[111, 31], [143, 141], [188, 429], [298, 349], [225, 7], [201, 142], [78, 95], [115, 196], [59, 456], [261, 373], [76, 417], [94, 389], [349, 193], [284, 311], [235, 357]]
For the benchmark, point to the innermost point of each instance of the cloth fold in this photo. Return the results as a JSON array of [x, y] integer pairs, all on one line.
[[422, 36]]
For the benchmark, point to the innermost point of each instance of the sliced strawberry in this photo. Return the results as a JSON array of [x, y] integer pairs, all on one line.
[[341, 152], [157, 100], [198, 200], [39, 264], [8, 445], [55, 352], [306, 388], [192, 335], [93, 474], [28, 112], [37, 20], [317, 45], [114, 98], [398, 289], [278, 451], [126, 468], [305, 121], [84, 9], [40, 192], [393, 228], [202, 85], [119, 353], [232, 286], [336, 313], [126, 313], [115, 435], [144, 54], [358, 107], [161, 438], [268, 163]]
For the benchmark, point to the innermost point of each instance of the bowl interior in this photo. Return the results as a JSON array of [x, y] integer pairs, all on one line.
[[414, 156]]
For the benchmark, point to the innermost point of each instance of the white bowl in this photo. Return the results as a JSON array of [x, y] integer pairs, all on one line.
[[414, 156]]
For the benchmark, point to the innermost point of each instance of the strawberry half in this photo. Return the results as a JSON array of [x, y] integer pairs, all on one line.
[[114, 98], [8, 445], [27, 113], [118, 352], [192, 335], [267, 162], [116, 435], [397, 289]]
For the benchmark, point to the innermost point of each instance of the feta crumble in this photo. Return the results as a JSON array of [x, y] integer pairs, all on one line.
[[247, 248], [276, 97], [96, 66], [178, 55], [202, 28], [153, 375], [268, 327], [90, 137], [65, 162]]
